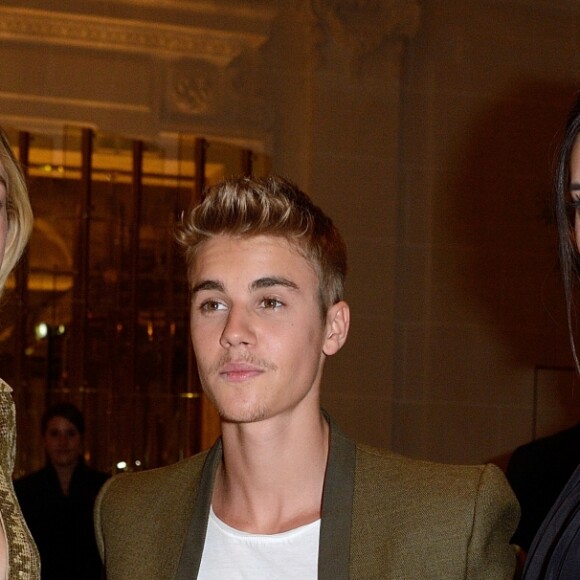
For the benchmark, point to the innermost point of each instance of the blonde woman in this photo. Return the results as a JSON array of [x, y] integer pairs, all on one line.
[[18, 554]]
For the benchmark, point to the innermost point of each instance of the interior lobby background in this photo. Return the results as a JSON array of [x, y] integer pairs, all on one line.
[[426, 128]]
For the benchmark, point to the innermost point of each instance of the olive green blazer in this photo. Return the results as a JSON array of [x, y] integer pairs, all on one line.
[[383, 516]]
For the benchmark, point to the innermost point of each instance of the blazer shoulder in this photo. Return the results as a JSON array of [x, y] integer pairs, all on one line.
[[132, 491], [141, 519], [437, 520], [373, 462], [389, 478]]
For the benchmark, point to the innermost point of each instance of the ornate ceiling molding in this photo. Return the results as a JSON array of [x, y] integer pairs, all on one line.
[[216, 46], [363, 25]]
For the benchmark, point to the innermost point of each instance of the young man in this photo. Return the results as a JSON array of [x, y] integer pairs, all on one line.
[[284, 494]]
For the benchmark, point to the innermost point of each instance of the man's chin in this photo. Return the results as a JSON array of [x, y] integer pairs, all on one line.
[[241, 416]]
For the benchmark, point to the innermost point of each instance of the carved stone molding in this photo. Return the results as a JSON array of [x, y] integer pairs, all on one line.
[[213, 96], [217, 46], [363, 25], [191, 88]]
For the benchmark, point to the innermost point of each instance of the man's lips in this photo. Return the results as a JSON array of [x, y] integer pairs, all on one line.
[[238, 372]]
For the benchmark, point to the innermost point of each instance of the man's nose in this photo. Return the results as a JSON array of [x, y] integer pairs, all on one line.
[[238, 328]]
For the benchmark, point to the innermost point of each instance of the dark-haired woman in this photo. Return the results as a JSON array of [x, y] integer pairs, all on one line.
[[555, 551]]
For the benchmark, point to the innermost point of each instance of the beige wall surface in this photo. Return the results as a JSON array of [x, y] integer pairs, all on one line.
[[425, 129]]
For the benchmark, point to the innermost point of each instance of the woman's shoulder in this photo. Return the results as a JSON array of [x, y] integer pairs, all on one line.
[[556, 546]]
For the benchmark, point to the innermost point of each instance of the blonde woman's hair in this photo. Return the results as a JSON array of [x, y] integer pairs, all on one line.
[[18, 209], [248, 207]]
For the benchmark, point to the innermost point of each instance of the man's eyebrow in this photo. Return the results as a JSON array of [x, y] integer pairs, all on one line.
[[265, 282], [207, 285], [575, 186], [270, 281]]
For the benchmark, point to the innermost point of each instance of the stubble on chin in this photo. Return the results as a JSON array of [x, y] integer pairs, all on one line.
[[242, 416], [239, 412]]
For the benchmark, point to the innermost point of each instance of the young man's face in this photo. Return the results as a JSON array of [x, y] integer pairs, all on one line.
[[256, 327]]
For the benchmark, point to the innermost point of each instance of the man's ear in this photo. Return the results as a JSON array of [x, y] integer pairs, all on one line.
[[337, 324]]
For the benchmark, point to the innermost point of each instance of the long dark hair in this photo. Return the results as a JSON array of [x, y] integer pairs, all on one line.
[[569, 256]]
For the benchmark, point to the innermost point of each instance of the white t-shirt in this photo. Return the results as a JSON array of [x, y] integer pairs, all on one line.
[[229, 554]]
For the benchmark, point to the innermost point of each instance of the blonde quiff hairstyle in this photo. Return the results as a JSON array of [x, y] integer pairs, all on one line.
[[274, 206], [19, 212]]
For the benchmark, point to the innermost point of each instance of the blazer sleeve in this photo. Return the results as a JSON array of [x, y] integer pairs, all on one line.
[[495, 516]]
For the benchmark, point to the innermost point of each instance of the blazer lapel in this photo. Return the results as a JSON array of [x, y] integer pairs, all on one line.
[[190, 559], [335, 527]]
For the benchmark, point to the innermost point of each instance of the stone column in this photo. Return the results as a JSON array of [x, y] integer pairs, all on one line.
[[338, 105]]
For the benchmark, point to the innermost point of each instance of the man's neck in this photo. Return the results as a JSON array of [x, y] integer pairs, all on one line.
[[272, 475]]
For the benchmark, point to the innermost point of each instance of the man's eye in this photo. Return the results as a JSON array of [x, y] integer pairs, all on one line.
[[271, 303], [211, 306]]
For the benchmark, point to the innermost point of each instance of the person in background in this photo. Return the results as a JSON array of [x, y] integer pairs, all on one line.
[[284, 493], [57, 501], [18, 554], [555, 550]]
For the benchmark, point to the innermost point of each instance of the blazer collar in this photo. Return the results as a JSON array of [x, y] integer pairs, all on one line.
[[337, 500], [193, 546]]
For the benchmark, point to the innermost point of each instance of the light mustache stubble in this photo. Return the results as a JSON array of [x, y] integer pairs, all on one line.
[[247, 358]]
